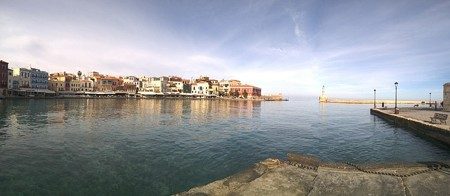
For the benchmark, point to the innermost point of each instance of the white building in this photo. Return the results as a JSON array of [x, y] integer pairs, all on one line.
[[131, 80], [224, 87], [144, 84], [200, 88], [154, 84]]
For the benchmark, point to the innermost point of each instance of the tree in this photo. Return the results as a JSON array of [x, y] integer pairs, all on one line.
[[245, 94]]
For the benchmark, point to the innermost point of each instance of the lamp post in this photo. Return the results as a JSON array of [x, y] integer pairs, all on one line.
[[396, 110], [430, 100], [374, 98]]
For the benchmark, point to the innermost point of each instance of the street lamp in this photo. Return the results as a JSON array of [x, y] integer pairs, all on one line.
[[374, 98], [396, 110], [430, 100]]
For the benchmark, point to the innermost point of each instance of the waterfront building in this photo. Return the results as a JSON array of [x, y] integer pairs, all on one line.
[[38, 79], [24, 77], [200, 88], [60, 82], [3, 77], [187, 86], [144, 84], [75, 85], [446, 101], [224, 87], [159, 84], [213, 87], [13, 81], [176, 84], [103, 83], [86, 84], [129, 88], [107, 84], [245, 91], [131, 80]]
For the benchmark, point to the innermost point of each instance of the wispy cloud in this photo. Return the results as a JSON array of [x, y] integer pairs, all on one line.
[[289, 46]]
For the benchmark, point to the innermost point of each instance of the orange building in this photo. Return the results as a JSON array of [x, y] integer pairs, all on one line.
[[245, 91]]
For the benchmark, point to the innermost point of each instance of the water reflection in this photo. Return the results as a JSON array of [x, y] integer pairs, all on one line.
[[163, 146]]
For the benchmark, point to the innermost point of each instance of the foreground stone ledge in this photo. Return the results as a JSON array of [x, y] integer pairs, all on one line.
[[306, 175]]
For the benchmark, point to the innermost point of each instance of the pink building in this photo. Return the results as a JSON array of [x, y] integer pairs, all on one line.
[[245, 91]]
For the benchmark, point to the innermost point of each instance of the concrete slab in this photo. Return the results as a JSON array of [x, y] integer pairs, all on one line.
[[288, 180], [334, 182], [274, 177], [430, 183]]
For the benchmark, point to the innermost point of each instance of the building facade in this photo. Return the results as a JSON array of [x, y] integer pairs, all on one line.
[[60, 82], [107, 84], [38, 79], [3, 76], [446, 101], [13, 81], [158, 85], [200, 88], [176, 84], [245, 91], [24, 77], [131, 80]]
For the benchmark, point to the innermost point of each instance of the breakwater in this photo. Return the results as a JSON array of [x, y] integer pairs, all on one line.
[[367, 101]]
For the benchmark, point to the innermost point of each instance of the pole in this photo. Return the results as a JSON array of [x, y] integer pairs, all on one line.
[[395, 96], [396, 110], [374, 98], [430, 100]]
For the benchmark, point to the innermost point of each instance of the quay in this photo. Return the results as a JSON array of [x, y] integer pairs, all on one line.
[[417, 121], [363, 101], [307, 175]]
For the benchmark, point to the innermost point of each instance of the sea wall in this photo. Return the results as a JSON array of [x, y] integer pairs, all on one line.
[[417, 126]]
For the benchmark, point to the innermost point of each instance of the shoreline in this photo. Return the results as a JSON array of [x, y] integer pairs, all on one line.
[[140, 97]]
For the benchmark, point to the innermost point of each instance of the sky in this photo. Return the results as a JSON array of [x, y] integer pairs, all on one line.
[[291, 47]]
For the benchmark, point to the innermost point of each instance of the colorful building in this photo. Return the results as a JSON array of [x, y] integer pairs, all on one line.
[[213, 87], [107, 84], [245, 91], [60, 82]]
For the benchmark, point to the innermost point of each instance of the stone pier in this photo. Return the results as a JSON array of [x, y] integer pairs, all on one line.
[[305, 175], [418, 121]]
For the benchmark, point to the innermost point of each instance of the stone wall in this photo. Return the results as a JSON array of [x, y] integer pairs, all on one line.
[[447, 97]]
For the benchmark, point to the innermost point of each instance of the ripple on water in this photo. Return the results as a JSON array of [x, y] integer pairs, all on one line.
[[166, 146]]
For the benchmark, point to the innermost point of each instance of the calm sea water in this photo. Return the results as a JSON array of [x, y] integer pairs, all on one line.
[[160, 147]]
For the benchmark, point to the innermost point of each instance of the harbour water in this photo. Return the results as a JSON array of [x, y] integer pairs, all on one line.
[[160, 147]]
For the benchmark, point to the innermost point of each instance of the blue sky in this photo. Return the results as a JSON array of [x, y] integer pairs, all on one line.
[[293, 47]]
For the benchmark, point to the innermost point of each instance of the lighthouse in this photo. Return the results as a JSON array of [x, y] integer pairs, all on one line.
[[323, 98]]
